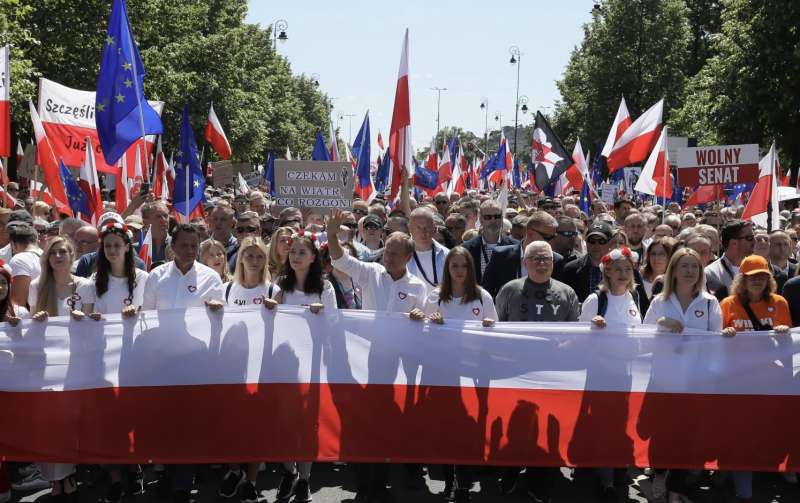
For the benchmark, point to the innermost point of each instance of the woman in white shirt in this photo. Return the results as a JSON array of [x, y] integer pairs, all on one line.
[[616, 304], [302, 284], [55, 293], [250, 286], [117, 286], [458, 297], [684, 303]]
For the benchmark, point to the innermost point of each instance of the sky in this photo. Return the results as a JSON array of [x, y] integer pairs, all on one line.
[[354, 49]]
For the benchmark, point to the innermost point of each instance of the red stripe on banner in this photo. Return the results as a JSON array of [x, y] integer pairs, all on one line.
[[385, 423]]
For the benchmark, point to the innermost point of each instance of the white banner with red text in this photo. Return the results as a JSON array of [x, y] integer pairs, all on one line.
[[68, 116], [252, 384]]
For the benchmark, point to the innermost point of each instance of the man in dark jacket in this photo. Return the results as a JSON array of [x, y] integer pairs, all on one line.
[[491, 237]]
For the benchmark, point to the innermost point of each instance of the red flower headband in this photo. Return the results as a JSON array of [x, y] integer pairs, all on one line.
[[116, 227], [618, 254], [310, 236]]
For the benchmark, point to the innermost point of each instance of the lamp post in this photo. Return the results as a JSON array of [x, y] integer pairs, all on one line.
[[516, 59], [485, 108], [438, 103], [498, 117], [279, 28], [349, 126]]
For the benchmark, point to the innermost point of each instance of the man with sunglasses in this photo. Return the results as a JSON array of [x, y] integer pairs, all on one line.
[[491, 236], [566, 240], [738, 239]]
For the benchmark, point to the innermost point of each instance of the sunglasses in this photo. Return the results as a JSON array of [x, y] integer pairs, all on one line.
[[491, 217], [372, 227], [242, 230], [545, 237], [350, 225], [539, 259], [567, 234], [597, 241], [360, 212]]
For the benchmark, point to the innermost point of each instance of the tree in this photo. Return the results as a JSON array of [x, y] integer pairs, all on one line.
[[643, 60], [748, 92]]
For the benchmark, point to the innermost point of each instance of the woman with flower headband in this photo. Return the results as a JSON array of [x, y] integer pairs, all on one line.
[[302, 284], [615, 304], [55, 293], [117, 286]]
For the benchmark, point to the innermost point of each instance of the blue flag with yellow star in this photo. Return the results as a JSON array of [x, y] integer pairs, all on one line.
[[187, 159], [122, 114], [78, 202]]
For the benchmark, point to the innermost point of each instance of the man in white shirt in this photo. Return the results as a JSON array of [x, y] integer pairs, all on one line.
[[25, 264], [427, 259], [184, 282]]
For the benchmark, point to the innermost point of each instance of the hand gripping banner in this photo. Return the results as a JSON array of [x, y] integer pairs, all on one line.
[[194, 386]]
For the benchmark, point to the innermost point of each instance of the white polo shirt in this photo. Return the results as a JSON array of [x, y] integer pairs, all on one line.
[[168, 288], [379, 292], [702, 314]]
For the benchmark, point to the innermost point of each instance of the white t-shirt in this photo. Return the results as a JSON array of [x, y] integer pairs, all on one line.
[[621, 310], [64, 307], [427, 264], [27, 263], [299, 298], [5, 253], [168, 288], [237, 295], [455, 310], [116, 297]]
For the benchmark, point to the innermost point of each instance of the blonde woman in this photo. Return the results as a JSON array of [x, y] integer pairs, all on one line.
[[55, 293], [212, 254], [279, 250]]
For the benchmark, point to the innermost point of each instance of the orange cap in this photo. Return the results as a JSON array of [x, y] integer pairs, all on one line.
[[754, 264]]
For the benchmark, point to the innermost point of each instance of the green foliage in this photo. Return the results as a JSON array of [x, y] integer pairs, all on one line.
[[633, 48], [195, 52], [748, 91]]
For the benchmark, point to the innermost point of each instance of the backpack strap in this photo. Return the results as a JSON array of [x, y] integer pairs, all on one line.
[[757, 325], [602, 303], [269, 290], [228, 291]]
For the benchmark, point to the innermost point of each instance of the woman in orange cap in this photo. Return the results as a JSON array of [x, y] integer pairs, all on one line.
[[753, 303]]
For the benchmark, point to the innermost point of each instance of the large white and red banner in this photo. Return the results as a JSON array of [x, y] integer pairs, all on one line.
[[5, 102], [68, 116], [361, 386]]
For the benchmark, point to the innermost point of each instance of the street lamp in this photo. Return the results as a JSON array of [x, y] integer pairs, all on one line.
[[485, 108], [516, 59], [523, 100], [498, 117], [438, 103], [279, 28], [349, 126]]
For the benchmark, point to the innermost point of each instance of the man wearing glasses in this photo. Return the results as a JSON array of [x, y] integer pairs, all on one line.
[[566, 240], [738, 239], [491, 236], [442, 203]]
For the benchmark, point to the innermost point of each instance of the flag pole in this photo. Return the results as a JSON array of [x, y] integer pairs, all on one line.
[[666, 173], [773, 180], [138, 101]]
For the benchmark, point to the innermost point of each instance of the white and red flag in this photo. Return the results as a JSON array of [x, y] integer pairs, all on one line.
[[160, 174], [135, 185], [46, 158], [89, 183], [39, 192], [68, 116], [215, 135], [573, 178], [8, 200], [638, 140], [20, 152], [764, 199], [622, 121], [333, 147], [5, 102], [380, 142], [445, 169], [458, 182], [400, 129], [146, 249], [655, 179], [122, 195]]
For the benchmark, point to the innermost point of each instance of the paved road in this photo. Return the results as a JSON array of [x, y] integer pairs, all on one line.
[[334, 483]]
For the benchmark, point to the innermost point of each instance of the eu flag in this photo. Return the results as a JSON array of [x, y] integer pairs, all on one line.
[[320, 152], [382, 175], [269, 173], [78, 202], [121, 110], [187, 160], [425, 178], [361, 151]]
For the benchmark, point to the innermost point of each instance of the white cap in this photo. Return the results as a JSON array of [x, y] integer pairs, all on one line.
[[109, 215]]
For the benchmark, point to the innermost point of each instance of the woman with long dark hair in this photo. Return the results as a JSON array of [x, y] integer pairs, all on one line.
[[302, 284]]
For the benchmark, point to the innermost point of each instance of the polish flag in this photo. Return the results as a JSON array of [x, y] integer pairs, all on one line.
[[122, 188], [655, 178], [46, 158], [5, 102], [8, 201], [160, 175], [445, 169], [136, 184], [20, 152], [765, 194], [39, 192], [574, 176], [3, 173], [516, 394], [146, 249], [333, 148], [348, 156], [622, 121], [89, 183], [638, 140], [705, 194], [497, 176], [215, 136], [400, 129], [458, 183], [380, 142]]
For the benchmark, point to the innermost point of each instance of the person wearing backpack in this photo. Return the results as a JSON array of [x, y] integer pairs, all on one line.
[[616, 303]]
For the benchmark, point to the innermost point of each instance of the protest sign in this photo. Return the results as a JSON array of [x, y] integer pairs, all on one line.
[[608, 192], [721, 164], [223, 173], [314, 185]]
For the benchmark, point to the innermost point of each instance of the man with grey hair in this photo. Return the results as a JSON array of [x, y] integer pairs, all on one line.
[[491, 236], [536, 297], [427, 261]]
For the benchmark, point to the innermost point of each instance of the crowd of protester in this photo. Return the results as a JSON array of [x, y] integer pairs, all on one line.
[[459, 257]]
